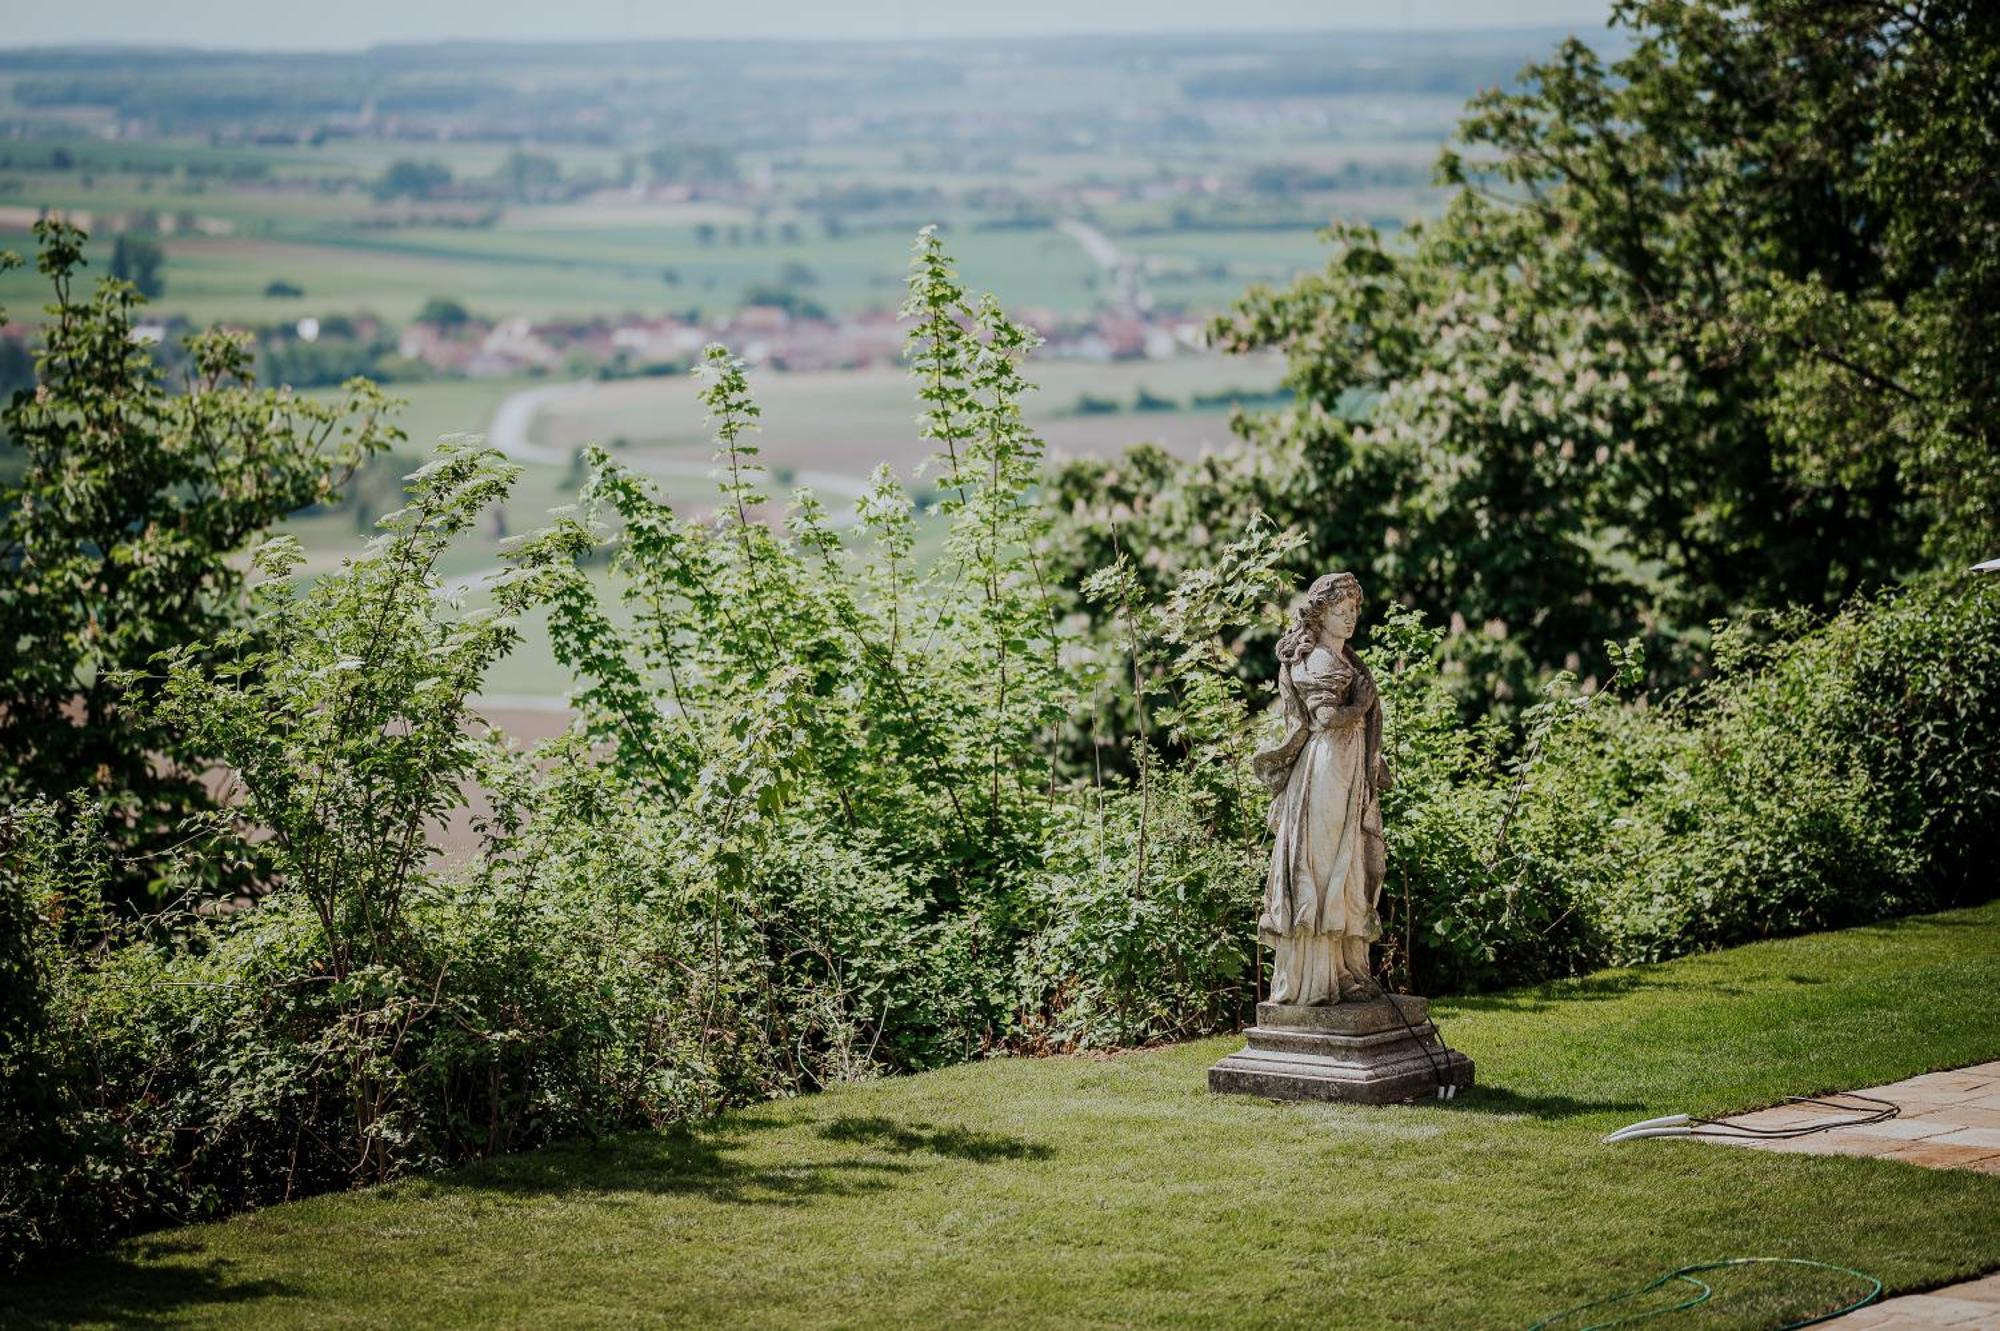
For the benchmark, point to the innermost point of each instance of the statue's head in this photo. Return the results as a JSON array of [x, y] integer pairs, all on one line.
[[1333, 601]]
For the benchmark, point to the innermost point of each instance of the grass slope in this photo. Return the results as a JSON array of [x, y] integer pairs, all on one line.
[[1117, 1192]]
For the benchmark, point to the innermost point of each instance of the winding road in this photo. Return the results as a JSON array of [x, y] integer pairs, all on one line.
[[512, 433]]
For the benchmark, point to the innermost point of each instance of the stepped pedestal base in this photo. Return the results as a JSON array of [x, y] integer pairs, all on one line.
[[1360, 1053]]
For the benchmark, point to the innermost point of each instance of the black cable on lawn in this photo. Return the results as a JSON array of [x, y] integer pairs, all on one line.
[[1439, 1072], [1882, 1112], [1870, 1110]]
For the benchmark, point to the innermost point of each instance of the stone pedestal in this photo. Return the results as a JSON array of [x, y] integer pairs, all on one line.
[[1361, 1053]]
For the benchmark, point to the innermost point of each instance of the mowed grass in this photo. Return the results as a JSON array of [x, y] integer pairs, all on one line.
[[1108, 1192]]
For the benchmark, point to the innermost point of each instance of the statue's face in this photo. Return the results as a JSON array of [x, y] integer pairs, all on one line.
[[1340, 617]]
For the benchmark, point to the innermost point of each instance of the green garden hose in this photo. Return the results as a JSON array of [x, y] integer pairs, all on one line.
[[1686, 1275]]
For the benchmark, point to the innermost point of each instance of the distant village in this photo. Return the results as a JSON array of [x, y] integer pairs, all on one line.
[[315, 351], [767, 336]]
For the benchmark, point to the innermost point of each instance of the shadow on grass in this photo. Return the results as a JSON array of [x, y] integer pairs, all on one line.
[[1500, 1100], [152, 1283], [702, 1160], [127, 1288], [957, 1143], [1588, 989], [716, 1161]]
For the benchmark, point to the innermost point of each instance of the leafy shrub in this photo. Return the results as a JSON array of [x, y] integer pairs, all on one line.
[[807, 826], [376, 1012], [785, 688], [1122, 950], [1827, 774], [120, 539], [1831, 775]]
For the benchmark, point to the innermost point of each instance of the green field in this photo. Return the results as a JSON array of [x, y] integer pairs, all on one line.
[[305, 215], [550, 262], [846, 422], [1113, 1192], [849, 422], [605, 179]]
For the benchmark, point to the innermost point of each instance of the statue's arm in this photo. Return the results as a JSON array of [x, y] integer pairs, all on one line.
[[1383, 778], [1327, 714], [1273, 766], [1361, 701], [1339, 718]]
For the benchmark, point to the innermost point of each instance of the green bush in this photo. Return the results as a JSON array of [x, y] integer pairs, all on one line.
[[121, 537], [807, 827], [1827, 773], [1834, 774], [1118, 951]]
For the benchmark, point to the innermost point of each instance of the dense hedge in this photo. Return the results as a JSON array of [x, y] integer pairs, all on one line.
[[1825, 773]]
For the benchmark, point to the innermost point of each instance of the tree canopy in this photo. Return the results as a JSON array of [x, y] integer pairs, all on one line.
[[1712, 326]]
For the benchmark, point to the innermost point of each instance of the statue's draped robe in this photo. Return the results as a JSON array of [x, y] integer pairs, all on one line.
[[1327, 863]]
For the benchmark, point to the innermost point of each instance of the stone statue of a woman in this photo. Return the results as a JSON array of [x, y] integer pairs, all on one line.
[[1328, 1032], [1327, 774]]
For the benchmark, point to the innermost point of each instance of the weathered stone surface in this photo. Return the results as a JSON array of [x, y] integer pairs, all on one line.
[[1350, 1018], [1309, 1042], [1328, 858], [1358, 1053]]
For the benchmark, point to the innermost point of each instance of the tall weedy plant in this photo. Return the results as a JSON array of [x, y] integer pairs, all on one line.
[[120, 538], [783, 680], [342, 717]]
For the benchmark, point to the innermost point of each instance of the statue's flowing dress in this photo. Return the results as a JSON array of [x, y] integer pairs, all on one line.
[[1325, 863]]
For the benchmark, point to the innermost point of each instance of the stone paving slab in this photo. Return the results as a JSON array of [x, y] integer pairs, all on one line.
[[1972, 1306], [1950, 1120]]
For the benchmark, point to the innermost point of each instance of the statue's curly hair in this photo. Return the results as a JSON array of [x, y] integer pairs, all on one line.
[[1325, 591]]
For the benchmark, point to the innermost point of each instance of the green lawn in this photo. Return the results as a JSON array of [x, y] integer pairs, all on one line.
[[1116, 1192]]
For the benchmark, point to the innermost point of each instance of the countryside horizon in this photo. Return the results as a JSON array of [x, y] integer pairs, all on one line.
[[371, 23]]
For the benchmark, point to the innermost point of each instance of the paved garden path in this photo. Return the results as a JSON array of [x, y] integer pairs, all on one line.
[[1950, 1120], [1971, 1306]]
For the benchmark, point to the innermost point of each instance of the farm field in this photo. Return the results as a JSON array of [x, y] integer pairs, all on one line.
[[811, 173], [551, 266], [848, 422], [820, 430], [541, 272], [606, 256]]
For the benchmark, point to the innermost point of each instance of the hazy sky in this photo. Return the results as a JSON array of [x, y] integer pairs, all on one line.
[[348, 24]]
